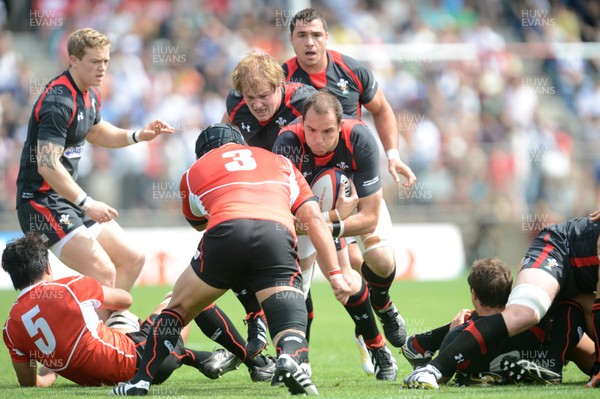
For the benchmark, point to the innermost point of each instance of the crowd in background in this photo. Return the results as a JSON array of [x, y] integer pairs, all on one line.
[[513, 130]]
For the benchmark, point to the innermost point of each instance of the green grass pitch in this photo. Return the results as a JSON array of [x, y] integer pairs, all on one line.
[[334, 357]]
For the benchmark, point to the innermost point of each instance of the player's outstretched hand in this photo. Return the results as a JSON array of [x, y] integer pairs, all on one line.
[[155, 128], [595, 216], [396, 166]]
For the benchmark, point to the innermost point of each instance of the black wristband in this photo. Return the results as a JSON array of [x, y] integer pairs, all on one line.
[[83, 201], [336, 229]]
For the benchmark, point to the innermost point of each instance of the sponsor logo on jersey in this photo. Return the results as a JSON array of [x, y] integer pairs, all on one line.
[[245, 127], [73, 152], [80, 116], [367, 183]]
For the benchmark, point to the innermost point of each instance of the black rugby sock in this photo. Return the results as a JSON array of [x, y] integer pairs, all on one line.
[[473, 341], [379, 287], [160, 343], [360, 310], [430, 340], [310, 315], [216, 325]]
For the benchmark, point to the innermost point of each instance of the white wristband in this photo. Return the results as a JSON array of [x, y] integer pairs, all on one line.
[[80, 198], [341, 234], [131, 137], [86, 204], [326, 216], [392, 154]]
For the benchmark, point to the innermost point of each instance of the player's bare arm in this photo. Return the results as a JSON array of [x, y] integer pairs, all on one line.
[[116, 298], [365, 220], [385, 123], [107, 135], [27, 375], [309, 215], [54, 173]]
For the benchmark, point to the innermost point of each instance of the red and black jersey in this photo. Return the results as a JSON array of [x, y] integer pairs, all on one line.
[[568, 251], [235, 181], [263, 134], [349, 80], [63, 115], [357, 154]]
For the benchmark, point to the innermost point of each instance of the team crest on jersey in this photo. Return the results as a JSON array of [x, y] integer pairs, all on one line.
[[281, 122], [66, 220], [245, 127], [342, 165], [80, 116], [343, 85]]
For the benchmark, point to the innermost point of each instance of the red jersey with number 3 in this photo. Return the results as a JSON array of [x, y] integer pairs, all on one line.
[[55, 323], [240, 182]]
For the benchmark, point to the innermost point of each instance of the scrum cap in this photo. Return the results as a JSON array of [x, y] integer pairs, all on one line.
[[215, 136]]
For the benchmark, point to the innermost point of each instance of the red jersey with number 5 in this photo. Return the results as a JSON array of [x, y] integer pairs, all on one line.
[[55, 323], [240, 182]]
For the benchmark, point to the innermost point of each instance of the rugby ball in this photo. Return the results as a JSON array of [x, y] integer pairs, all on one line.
[[123, 320], [326, 186]]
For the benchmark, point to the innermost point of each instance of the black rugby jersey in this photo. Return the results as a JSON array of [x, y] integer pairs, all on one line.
[[346, 78], [263, 134], [62, 115], [356, 154]]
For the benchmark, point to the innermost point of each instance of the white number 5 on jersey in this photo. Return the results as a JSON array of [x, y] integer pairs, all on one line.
[[46, 343]]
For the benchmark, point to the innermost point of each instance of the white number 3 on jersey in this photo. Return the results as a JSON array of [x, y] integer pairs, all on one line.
[[241, 160]]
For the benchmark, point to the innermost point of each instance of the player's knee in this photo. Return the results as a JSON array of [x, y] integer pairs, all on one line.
[[536, 301], [285, 310], [381, 262], [106, 275]]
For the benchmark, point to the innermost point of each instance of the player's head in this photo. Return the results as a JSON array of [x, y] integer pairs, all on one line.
[[322, 121], [491, 281], [259, 77], [26, 260], [308, 35], [215, 136], [89, 53]]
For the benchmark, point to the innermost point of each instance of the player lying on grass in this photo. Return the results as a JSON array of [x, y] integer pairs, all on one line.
[[533, 355], [54, 322], [561, 263], [245, 199]]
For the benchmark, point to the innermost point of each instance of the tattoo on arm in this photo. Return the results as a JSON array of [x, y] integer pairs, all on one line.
[[48, 154]]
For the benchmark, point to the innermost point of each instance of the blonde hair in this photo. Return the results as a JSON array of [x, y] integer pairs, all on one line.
[[254, 70], [82, 39]]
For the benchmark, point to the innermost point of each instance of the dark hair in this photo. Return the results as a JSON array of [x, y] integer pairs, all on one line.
[[307, 15], [25, 259], [491, 280], [323, 102]]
